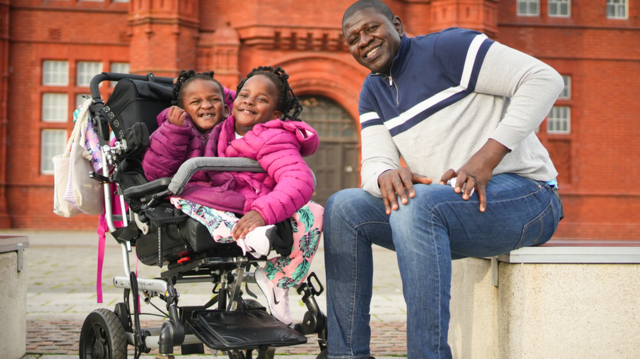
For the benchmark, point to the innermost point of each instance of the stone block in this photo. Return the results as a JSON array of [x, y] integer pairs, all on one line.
[[545, 310], [13, 306]]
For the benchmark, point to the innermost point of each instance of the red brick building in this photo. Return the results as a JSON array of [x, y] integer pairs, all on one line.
[[51, 48]]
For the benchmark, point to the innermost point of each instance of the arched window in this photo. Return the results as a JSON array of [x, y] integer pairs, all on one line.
[[336, 162], [329, 119]]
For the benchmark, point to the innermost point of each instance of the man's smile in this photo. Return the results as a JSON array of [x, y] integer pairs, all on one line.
[[372, 53]]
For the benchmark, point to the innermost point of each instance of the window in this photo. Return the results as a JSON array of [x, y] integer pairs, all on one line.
[[119, 67], [53, 143], [528, 8], [80, 99], [617, 9], [566, 91], [86, 71], [559, 120], [560, 8], [54, 107], [328, 118], [55, 73]]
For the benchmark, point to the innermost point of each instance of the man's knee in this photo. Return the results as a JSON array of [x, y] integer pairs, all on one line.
[[425, 203], [344, 200]]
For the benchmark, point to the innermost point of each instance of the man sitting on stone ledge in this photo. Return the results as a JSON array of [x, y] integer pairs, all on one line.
[[458, 108]]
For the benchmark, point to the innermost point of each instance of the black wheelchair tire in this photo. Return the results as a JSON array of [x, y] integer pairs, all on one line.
[[323, 354], [235, 354], [102, 336]]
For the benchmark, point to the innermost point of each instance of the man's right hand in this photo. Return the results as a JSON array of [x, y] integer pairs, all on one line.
[[397, 183], [176, 115]]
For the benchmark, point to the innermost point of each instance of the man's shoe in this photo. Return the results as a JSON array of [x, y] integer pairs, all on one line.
[[277, 298]]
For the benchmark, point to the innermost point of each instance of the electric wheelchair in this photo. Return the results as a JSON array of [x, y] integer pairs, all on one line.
[[163, 236]]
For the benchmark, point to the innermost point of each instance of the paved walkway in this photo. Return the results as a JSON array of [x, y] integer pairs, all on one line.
[[61, 268]]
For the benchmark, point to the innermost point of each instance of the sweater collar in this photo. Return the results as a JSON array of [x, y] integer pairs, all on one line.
[[401, 59]]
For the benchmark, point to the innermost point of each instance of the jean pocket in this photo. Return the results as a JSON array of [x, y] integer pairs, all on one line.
[[539, 230]]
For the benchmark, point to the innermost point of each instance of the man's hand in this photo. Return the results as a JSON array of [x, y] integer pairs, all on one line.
[[247, 223], [477, 172], [398, 182], [177, 115]]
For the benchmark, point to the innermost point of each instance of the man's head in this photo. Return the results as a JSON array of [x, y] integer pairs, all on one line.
[[373, 34]]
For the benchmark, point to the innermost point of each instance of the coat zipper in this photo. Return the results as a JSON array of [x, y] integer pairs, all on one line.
[[391, 83]]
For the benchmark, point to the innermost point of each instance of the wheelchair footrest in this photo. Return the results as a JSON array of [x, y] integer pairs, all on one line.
[[244, 329]]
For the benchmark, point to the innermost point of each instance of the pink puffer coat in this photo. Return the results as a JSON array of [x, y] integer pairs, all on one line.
[[279, 147]]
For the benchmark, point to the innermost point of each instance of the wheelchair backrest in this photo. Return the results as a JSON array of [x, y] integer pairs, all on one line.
[[136, 101]]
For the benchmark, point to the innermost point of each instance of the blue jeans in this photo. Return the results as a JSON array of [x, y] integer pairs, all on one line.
[[437, 225]]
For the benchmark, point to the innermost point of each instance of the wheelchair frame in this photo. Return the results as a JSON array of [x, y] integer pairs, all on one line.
[[106, 334]]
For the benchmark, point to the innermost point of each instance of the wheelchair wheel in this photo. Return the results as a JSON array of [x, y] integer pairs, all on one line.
[[323, 354], [235, 354], [102, 336]]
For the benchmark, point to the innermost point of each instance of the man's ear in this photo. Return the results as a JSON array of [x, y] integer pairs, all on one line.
[[276, 114], [397, 24]]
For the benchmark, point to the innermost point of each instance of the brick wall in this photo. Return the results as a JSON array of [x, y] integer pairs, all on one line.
[[597, 160]]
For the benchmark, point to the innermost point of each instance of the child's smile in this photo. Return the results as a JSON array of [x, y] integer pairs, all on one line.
[[203, 101], [255, 103]]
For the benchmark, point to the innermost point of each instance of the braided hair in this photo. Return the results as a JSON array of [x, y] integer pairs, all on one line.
[[288, 102], [184, 78]]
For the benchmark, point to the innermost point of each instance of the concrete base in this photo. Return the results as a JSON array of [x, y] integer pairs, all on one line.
[[545, 310], [13, 306]]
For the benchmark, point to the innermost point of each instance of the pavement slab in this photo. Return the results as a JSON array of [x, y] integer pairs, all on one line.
[[62, 267]]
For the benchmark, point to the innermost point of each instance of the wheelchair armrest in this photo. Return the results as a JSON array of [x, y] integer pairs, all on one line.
[[152, 187], [223, 164]]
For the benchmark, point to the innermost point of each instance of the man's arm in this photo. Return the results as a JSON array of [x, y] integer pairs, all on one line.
[[531, 85], [381, 173], [532, 88]]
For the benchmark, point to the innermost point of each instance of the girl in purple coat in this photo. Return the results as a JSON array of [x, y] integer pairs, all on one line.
[[263, 127]]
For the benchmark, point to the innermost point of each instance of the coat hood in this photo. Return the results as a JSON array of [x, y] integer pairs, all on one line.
[[307, 136]]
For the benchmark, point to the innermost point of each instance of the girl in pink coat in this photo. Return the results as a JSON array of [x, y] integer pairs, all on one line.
[[264, 127]]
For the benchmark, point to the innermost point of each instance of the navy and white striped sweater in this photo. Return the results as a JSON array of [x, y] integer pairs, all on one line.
[[448, 93]]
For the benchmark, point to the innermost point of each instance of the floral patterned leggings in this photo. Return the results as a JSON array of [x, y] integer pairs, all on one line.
[[284, 272]]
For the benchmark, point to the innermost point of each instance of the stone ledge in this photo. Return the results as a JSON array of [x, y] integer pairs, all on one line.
[[577, 251], [582, 307]]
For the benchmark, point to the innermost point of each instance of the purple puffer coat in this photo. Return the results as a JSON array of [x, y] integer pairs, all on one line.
[[279, 147], [171, 145]]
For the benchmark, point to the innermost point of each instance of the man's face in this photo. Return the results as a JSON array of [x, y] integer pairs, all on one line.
[[373, 40]]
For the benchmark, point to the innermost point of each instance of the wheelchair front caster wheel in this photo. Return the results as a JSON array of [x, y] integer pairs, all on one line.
[[235, 354], [323, 354], [102, 336]]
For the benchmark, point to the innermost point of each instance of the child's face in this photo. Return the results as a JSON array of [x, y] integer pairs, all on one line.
[[204, 102], [255, 103]]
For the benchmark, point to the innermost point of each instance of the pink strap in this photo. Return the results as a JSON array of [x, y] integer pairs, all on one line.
[[102, 229]]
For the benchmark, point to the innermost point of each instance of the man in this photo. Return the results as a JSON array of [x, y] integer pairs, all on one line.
[[461, 110]]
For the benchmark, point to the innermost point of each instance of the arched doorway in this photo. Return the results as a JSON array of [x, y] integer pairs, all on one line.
[[335, 164]]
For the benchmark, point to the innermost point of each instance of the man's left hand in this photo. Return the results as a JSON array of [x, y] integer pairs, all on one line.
[[247, 223], [476, 173]]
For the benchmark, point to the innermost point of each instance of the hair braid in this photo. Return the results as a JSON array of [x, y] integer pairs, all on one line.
[[288, 102], [184, 78]]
